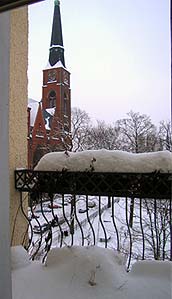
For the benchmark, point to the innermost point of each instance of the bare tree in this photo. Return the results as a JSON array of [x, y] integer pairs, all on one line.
[[157, 226], [80, 123], [102, 136], [165, 135], [150, 230], [137, 133]]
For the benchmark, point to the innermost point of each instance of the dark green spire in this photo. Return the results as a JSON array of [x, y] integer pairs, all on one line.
[[56, 45], [56, 2]]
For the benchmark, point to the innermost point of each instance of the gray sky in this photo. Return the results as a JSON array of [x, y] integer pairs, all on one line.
[[118, 53]]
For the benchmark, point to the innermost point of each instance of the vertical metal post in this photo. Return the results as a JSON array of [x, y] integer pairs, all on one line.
[[72, 215], [131, 212]]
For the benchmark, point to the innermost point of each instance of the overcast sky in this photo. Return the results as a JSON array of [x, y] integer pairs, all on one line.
[[118, 53]]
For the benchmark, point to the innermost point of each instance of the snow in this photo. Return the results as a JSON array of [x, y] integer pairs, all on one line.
[[47, 120], [19, 257], [51, 111], [152, 269], [33, 105], [106, 161], [57, 65], [89, 272], [56, 46]]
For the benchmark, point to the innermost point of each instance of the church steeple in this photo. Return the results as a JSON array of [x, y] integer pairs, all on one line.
[[56, 45], [52, 126]]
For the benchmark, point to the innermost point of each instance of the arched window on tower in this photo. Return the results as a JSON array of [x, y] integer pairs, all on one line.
[[65, 104], [52, 99]]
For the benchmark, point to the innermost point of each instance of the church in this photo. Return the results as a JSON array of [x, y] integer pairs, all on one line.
[[49, 121]]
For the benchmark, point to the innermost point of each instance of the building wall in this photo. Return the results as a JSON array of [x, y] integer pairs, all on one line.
[[17, 114], [58, 138], [5, 273]]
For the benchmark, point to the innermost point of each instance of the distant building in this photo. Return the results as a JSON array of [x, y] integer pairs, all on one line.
[[49, 121]]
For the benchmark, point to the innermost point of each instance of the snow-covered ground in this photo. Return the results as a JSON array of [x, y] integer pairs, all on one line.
[[88, 273], [103, 227], [64, 213]]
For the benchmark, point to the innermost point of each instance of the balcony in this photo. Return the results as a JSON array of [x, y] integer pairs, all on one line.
[[106, 230], [128, 212]]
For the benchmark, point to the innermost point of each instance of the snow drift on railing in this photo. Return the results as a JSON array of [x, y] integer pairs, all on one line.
[[106, 161]]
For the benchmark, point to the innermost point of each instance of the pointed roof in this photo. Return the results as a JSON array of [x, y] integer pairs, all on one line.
[[39, 129], [33, 105], [56, 45]]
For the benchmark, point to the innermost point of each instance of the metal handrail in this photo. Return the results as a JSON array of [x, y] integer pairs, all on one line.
[[129, 212]]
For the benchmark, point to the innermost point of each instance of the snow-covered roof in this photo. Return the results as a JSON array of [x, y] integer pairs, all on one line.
[[48, 114], [57, 65], [56, 46], [106, 161], [33, 105], [88, 272], [51, 111]]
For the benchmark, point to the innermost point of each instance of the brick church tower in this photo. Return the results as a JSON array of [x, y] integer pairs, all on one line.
[[52, 125], [56, 78]]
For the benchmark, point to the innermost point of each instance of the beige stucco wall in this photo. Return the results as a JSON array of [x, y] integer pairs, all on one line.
[[17, 113]]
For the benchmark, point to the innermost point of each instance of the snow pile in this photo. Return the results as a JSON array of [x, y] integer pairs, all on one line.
[[91, 272], [90, 266], [106, 161], [19, 257], [152, 269], [150, 279]]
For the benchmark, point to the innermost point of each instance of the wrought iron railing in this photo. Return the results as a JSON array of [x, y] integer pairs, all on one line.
[[129, 212]]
